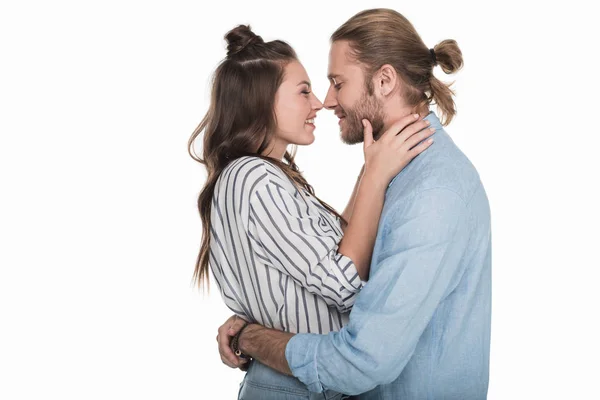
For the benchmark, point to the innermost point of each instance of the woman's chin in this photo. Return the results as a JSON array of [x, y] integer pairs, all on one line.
[[309, 140], [306, 139]]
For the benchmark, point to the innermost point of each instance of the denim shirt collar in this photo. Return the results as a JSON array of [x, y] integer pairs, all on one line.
[[434, 123]]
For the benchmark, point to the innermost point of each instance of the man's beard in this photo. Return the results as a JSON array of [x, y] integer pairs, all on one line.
[[366, 108]]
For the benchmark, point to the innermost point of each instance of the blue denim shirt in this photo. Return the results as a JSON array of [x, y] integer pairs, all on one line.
[[420, 328]]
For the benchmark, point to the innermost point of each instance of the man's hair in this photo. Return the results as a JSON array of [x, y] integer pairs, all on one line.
[[382, 36]]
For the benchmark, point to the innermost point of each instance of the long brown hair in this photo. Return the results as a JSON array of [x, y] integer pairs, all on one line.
[[383, 36], [241, 120]]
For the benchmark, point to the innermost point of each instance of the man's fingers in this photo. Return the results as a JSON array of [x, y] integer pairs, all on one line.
[[234, 327], [226, 353], [225, 332], [227, 324], [228, 363]]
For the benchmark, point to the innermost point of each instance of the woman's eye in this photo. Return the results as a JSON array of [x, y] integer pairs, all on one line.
[[306, 92]]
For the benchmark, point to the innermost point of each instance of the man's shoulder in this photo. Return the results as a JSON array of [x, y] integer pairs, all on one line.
[[443, 168]]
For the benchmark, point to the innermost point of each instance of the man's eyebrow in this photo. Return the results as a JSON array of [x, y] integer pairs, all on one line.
[[333, 76], [304, 83]]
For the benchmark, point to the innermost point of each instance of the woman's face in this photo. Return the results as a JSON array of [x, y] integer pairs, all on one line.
[[296, 106]]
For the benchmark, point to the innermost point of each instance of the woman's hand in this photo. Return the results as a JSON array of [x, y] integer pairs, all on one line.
[[398, 145]]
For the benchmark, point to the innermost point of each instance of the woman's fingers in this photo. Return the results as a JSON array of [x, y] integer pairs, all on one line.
[[399, 126], [368, 133], [416, 138], [411, 130], [421, 147]]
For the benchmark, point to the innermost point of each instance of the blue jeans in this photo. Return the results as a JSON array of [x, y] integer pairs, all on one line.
[[264, 383]]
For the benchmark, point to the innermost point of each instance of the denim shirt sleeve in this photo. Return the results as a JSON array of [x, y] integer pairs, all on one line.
[[413, 269]]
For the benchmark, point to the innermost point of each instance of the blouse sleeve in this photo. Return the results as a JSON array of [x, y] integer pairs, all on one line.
[[296, 240]]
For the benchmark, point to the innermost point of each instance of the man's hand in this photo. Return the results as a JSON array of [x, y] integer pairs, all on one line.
[[262, 344], [226, 332]]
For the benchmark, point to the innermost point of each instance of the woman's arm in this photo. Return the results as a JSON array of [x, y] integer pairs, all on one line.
[[384, 159], [287, 234], [347, 214], [359, 235]]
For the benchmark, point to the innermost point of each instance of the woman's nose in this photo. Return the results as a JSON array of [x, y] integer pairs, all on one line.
[[317, 105]]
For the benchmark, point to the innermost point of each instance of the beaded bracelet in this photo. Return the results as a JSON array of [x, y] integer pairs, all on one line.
[[235, 342]]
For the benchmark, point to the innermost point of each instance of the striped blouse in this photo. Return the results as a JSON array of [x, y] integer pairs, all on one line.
[[274, 251]]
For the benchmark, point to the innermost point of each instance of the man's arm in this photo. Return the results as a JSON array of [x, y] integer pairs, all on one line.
[[267, 346], [418, 259], [264, 344]]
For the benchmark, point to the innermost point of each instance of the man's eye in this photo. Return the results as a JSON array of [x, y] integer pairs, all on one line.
[[337, 86]]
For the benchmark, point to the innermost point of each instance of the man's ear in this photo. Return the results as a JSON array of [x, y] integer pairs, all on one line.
[[385, 80]]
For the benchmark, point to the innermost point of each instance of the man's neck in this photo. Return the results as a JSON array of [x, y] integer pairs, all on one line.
[[393, 114]]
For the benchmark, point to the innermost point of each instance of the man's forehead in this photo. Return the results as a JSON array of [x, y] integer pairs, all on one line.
[[339, 61], [337, 53]]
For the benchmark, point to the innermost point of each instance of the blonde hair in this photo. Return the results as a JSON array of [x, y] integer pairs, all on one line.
[[383, 36]]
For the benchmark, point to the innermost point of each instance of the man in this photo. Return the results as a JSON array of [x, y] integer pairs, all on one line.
[[420, 328]]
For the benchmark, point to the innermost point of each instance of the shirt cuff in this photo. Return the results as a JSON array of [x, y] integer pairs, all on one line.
[[301, 355], [345, 271]]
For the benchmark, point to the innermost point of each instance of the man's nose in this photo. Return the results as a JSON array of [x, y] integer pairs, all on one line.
[[330, 100]]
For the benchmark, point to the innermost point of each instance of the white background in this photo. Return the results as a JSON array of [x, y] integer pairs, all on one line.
[[98, 223]]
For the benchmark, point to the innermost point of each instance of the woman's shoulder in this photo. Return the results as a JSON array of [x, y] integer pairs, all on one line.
[[250, 174], [243, 163]]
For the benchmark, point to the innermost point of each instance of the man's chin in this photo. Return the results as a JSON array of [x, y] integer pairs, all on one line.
[[351, 138]]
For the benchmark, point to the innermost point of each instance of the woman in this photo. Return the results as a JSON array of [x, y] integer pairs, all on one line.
[[281, 256]]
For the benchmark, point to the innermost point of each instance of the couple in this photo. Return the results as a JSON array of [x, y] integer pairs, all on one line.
[[390, 299]]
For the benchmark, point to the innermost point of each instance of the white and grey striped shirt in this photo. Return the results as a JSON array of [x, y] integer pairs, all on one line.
[[273, 251]]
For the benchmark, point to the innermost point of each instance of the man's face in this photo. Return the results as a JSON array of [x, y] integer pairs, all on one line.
[[348, 96]]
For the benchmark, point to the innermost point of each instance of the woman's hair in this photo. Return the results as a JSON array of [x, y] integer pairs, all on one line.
[[241, 119], [383, 36]]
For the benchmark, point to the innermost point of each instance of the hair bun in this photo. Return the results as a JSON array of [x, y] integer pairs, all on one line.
[[240, 38], [448, 56]]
